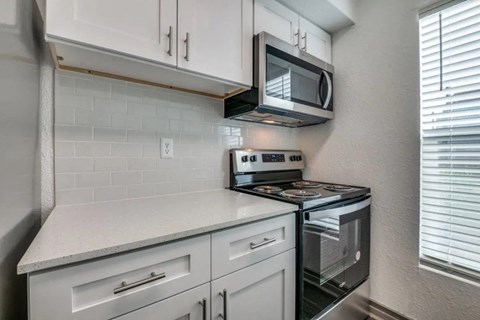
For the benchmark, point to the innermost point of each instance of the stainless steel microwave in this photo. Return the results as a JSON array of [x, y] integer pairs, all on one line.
[[290, 87]]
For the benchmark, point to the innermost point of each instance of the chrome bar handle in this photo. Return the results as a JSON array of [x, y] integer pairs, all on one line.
[[170, 40], [203, 303], [186, 41], [305, 38], [297, 34], [224, 295], [125, 286], [265, 241]]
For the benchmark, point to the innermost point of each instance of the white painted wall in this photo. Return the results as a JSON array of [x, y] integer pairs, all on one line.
[[374, 141], [19, 156]]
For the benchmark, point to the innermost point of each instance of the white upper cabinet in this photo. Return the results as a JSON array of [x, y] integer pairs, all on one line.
[[315, 41], [274, 18], [147, 41], [215, 38], [145, 29], [283, 23]]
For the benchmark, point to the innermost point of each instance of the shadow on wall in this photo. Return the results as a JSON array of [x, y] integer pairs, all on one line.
[[19, 155]]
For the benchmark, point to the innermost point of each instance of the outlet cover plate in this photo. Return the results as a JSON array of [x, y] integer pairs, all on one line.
[[166, 148]]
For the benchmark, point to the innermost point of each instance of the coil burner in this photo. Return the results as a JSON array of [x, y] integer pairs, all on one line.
[[300, 194], [268, 189], [338, 188]]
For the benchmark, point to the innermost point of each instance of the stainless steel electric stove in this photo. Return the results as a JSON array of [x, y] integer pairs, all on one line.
[[332, 235]]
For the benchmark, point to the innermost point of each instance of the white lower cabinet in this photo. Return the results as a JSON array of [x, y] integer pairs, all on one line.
[[254, 266], [263, 291], [191, 305]]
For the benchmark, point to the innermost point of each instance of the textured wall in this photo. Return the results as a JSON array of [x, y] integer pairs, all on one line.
[[19, 159], [374, 141], [107, 138]]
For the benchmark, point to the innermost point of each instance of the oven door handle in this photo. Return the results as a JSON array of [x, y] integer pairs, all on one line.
[[336, 212]]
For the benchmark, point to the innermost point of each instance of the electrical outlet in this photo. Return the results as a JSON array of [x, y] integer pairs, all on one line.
[[166, 148]]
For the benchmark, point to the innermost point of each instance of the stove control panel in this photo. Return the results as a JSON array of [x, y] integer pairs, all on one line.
[[254, 160]]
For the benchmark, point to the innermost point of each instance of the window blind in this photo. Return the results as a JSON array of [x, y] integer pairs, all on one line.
[[450, 128]]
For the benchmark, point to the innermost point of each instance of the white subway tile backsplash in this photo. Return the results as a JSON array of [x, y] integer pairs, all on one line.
[[73, 101], [155, 176], [92, 180], [154, 124], [126, 150], [64, 116], [73, 133], [107, 140], [92, 88], [168, 113], [110, 193], [109, 135], [151, 150], [142, 163], [64, 181], [139, 136], [102, 105], [169, 188], [143, 109], [142, 190], [64, 149], [126, 121], [89, 118], [110, 164], [73, 196], [126, 178], [92, 149], [73, 165]]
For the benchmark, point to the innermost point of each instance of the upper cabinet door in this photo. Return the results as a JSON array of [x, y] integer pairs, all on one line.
[[315, 41], [279, 21], [144, 29], [215, 37]]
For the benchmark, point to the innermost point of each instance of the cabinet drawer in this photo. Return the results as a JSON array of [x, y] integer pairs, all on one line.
[[104, 289], [187, 305], [237, 248]]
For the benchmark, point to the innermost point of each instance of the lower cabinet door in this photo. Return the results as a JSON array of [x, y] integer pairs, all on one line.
[[263, 291], [193, 304]]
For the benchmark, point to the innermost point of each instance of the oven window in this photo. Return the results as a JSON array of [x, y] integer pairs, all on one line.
[[293, 81], [331, 248], [334, 248]]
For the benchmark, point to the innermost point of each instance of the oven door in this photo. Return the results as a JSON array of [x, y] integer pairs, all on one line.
[[336, 254]]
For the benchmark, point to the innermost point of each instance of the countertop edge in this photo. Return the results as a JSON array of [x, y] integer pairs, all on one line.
[[123, 248]]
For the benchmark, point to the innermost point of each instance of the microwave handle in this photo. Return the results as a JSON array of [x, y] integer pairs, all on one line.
[[320, 91], [336, 212], [330, 89]]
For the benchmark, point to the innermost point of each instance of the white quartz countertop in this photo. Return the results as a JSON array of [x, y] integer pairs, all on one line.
[[81, 232]]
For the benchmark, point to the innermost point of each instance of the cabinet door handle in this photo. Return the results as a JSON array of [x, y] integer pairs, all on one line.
[[305, 42], [170, 40], [203, 303], [187, 45], [265, 241], [297, 34], [125, 286], [224, 295]]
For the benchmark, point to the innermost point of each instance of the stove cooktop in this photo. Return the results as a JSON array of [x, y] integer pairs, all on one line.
[[306, 194]]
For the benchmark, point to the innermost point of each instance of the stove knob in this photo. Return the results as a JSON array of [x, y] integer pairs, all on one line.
[[244, 158], [298, 158], [253, 158], [292, 158]]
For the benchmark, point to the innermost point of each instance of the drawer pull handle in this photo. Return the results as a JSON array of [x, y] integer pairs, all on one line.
[[203, 303], [125, 286], [224, 296], [265, 241]]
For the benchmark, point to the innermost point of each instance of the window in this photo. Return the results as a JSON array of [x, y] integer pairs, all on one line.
[[450, 130]]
